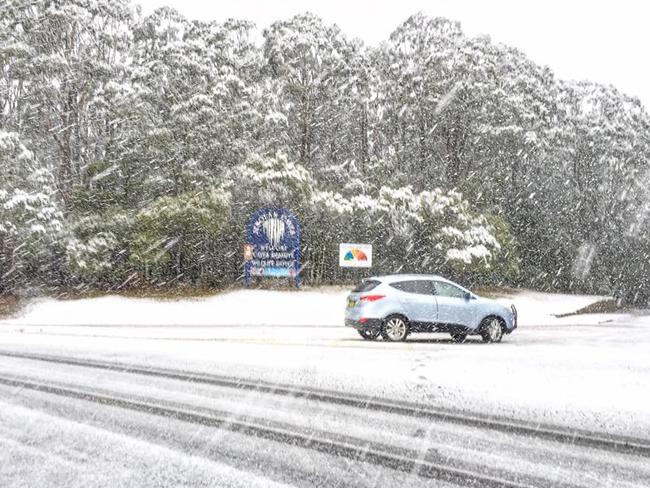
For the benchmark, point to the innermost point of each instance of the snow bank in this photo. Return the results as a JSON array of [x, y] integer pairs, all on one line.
[[538, 308], [317, 307], [321, 307]]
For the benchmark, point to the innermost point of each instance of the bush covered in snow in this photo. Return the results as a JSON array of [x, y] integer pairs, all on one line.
[[98, 247], [174, 234]]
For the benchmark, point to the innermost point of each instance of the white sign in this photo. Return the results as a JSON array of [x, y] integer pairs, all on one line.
[[355, 255]]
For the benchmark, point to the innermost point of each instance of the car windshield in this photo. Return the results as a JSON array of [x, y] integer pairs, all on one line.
[[237, 239]]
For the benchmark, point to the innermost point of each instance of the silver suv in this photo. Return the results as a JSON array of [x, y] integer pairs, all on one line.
[[398, 305]]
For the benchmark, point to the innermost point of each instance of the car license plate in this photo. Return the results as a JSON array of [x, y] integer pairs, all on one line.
[[351, 303]]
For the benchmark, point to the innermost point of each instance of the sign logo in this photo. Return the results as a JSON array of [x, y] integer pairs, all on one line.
[[355, 255], [272, 245], [274, 230]]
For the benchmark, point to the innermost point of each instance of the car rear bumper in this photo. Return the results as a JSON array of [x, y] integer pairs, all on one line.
[[364, 324]]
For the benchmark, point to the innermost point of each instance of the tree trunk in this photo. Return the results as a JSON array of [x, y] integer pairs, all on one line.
[[423, 146], [305, 137], [364, 158]]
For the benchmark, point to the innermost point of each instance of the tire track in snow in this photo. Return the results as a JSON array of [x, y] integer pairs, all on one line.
[[408, 461], [617, 444]]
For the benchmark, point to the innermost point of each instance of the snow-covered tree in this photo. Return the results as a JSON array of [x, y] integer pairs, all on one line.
[[263, 180], [312, 64], [30, 216], [448, 152], [433, 231], [65, 53], [193, 83], [98, 248]]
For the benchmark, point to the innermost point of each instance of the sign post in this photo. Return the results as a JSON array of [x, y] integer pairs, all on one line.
[[272, 245]]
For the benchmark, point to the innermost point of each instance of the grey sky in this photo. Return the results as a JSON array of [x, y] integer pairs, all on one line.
[[603, 41]]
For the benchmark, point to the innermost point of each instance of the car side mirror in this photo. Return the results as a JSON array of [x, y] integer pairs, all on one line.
[[469, 296]]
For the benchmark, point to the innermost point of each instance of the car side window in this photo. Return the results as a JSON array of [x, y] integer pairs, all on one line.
[[448, 290], [419, 287]]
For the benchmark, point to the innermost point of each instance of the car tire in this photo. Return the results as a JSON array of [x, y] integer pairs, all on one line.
[[459, 337], [395, 328], [369, 335], [491, 329]]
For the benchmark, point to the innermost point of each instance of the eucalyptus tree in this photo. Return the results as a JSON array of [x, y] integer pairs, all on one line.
[[313, 66], [65, 53], [31, 221], [194, 89]]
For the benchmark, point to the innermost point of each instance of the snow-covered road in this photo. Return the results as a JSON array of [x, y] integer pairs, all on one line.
[[579, 372], [258, 422]]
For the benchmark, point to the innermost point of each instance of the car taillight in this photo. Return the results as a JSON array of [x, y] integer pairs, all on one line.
[[371, 298]]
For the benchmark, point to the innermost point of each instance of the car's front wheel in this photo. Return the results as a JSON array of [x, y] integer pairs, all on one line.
[[491, 330], [395, 328], [369, 335]]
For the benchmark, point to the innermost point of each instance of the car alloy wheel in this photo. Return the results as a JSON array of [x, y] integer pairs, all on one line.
[[395, 329], [492, 330]]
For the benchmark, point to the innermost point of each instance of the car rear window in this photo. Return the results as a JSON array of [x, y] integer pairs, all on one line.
[[366, 285], [421, 287]]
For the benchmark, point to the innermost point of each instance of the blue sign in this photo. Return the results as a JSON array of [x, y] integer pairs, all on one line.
[[272, 245]]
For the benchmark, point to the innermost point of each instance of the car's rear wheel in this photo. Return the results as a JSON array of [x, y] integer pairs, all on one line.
[[491, 329], [369, 335], [395, 328], [459, 337]]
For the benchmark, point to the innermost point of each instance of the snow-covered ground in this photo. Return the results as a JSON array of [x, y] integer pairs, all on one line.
[[322, 307], [589, 371], [242, 307]]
